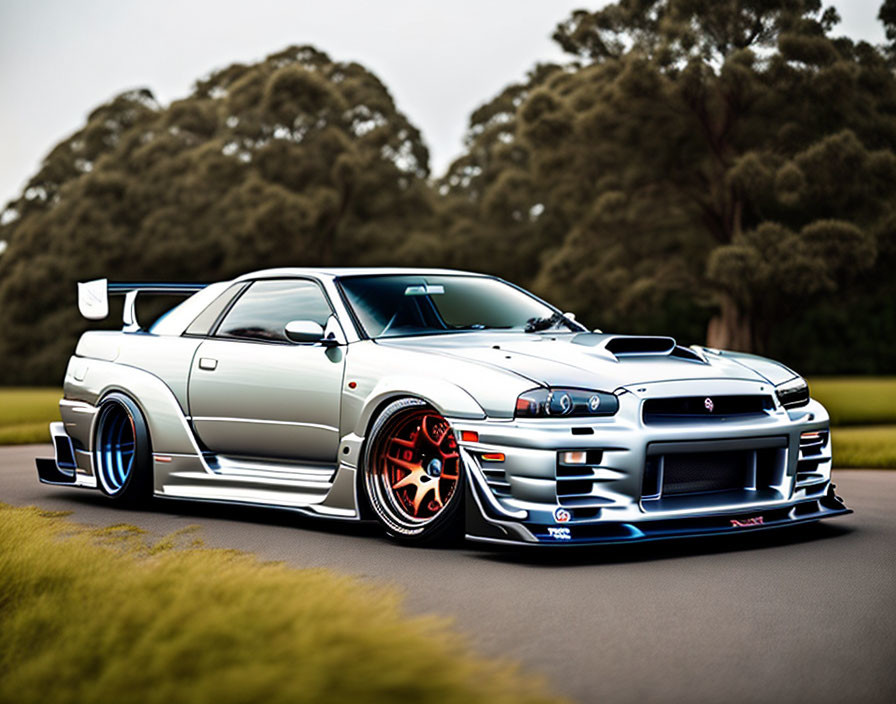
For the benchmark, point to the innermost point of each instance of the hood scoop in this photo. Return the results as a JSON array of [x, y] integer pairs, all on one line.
[[627, 345]]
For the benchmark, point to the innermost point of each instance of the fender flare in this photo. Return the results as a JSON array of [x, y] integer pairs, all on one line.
[[161, 410], [450, 400]]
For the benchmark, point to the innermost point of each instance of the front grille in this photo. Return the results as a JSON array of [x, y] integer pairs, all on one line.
[[707, 471], [675, 469], [657, 410]]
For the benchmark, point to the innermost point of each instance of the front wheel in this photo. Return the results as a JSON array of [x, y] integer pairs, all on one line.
[[413, 474]]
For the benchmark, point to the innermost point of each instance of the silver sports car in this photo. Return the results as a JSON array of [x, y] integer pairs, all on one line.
[[440, 403]]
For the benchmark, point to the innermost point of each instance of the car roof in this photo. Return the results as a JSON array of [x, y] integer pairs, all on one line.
[[179, 317], [335, 272]]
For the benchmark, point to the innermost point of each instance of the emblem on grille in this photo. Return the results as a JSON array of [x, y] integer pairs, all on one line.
[[561, 515], [594, 403], [708, 404]]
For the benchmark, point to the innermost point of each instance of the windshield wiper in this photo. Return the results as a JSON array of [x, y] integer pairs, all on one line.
[[480, 326], [546, 323]]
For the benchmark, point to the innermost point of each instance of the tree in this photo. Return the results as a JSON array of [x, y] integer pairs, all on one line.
[[735, 155], [295, 160], [887, 16]]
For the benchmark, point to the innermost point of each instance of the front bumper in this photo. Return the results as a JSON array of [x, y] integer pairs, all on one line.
[[532, 497], [484, 529]]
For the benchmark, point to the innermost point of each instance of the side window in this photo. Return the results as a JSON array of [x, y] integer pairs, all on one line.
[[263, 311], [207, 318]]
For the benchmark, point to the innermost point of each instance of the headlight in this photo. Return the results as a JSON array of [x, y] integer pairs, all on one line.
[[550, 403], [793, 393]]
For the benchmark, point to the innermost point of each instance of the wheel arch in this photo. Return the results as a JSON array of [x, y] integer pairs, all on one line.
[[165, 420], [447, 398]]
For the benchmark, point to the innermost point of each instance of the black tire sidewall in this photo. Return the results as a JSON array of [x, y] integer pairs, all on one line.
[[138, 487]]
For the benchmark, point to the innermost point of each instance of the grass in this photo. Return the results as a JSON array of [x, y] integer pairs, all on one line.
[[25, 414], [869, 447], [857, 400], [851, 401], [106, 615]]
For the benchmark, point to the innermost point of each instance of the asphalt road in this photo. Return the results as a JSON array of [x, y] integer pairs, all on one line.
[[796, 615]]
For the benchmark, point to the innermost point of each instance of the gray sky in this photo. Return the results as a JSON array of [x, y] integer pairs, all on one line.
[[61, 58]]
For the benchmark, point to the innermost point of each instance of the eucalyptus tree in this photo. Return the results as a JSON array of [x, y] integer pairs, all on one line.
[[297, 159], [718, 162]]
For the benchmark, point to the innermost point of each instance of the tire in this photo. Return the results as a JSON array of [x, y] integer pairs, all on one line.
[[122, 457], [413, 474]]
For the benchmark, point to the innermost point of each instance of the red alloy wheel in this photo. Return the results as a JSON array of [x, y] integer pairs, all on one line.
[[419, 465]]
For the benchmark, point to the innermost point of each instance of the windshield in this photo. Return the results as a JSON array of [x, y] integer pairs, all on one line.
[[406, 304]]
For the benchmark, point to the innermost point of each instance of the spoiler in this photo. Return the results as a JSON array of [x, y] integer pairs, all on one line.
[[93, 297]]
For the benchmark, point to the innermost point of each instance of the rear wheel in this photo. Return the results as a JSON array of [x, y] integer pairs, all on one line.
[[121, 457], [413, 474]]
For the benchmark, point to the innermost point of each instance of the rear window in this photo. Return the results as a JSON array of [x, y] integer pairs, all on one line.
[[206, 320]]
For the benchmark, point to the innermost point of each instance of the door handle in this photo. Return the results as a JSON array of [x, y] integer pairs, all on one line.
[[208, 363]]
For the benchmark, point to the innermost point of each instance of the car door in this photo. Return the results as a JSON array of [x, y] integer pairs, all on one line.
[[253, 393]]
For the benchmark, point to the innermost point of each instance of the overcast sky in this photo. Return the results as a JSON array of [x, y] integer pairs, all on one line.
[[440, 58]]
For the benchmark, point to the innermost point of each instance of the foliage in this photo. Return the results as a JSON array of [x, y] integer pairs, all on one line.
[[101, 616], [295, 160], [699, 160], [718, 171]]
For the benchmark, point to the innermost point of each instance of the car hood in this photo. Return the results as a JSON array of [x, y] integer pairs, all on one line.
[[594, 361]]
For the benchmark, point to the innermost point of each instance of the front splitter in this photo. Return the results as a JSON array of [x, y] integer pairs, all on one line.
[[732, 523]]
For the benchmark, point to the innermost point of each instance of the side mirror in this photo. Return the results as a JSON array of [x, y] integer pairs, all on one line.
[[304, 331]]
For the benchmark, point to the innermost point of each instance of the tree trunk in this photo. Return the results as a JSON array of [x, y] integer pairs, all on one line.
[[730, 329]]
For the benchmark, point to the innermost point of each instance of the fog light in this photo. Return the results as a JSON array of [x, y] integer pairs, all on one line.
[[493, 456], [574, 457]]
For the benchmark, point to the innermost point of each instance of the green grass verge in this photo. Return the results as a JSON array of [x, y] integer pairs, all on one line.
[[26, 413], [857, 400], [870, 447], [106, 616]]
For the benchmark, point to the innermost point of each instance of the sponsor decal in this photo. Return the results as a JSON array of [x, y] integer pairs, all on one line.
[[744, 523], [561, 515], [559, 533], [708, 404]]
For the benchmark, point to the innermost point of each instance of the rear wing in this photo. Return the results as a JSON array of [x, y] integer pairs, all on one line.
[[93, 297]]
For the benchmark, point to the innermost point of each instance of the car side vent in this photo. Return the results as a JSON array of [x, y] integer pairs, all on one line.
[[496, 478], [815, 453]]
